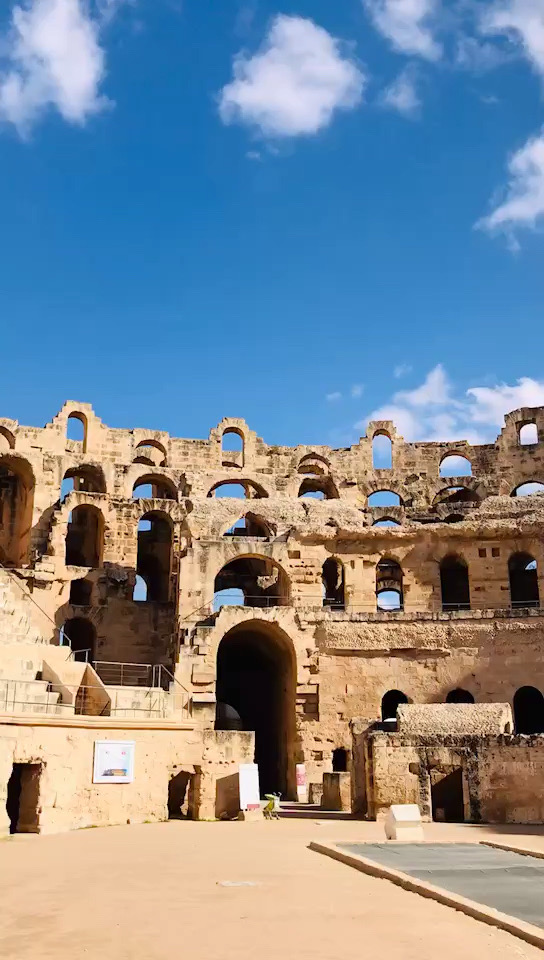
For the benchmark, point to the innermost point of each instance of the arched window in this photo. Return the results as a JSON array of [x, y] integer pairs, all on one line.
[[384, 498], [251, 527], [16, 507], [389, 595], [456, 495], [154, 487], [523, 577], [340, 760], [76, 428], [232, 448], [150, 452], [240, 489], [85, 478], [318, 488], [526, 489], [390, 703], [259, 581], [80, 593], [154, 557], [386, 522], [314, 465], [454, 584], [85, 537], [332, 578], [454, 465], [528, 710], [528, 433], [382, 451], [459, 696], [80, 635]]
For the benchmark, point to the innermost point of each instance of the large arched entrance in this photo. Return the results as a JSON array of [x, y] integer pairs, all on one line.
[[256, 691]]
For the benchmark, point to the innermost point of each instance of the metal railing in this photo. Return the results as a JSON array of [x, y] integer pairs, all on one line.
[[88, 700]]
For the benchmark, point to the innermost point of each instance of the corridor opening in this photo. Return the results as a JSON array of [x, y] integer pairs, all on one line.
[[256, 691], [22, 803]]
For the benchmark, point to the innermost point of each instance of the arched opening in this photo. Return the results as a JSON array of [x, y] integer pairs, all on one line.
[[139, 594], [332, 578], [318, 488], [456, 495], [256, 679], [16, 503], [454, 584], [386, 522], [528, 710], [80, 634], [382, 451], [256, 581], [76, 428], [249, 526], [85, 537], [314, 464], [459, 696], [154, 558], [86, 478], [526, 489], [7, 440], [340, 760], [241, 490], [389, 596], [390, 703], [523, 576], [150, 452], [232, 448], [528, 434], [454, 465], [153, 487], [453, 518], [80, 593], [384, 498]]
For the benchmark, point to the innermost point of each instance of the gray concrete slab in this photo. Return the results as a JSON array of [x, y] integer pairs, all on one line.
[[509, 882]]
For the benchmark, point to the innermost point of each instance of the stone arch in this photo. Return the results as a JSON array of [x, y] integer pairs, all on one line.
[[87, 478], [85, 536], [528, 710], [80, 634], [523, 579], [389, 585], [391, 701], [150, 452], [454, 583], [527, 487], [458, 695], [323, 485], [460, 492], [382, 450], [78, 416], [7, 440], [162, 487], [453, 459], [17, 483], [154, 554], [252, 580], [251, 525], [333, 580], [314, 464], [232, 454], [256, 687], [253, 490]]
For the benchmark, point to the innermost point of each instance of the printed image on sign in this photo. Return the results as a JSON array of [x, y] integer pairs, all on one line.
[[113, 761], [249, 786]]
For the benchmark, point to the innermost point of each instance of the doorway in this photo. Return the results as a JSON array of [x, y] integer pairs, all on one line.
[[256, 686], [447, 796], [22, 803]]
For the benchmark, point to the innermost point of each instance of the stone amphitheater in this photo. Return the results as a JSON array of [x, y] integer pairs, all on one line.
[[364, 622]]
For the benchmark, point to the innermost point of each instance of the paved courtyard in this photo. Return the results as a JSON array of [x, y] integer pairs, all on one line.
[[229, 890]]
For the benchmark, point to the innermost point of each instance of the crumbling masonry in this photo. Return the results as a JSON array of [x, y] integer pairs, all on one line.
[[141, 589]]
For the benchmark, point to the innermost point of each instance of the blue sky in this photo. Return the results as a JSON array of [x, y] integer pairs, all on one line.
[[300, 213]]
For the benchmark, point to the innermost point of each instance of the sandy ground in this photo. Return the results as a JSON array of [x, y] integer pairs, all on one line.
[[157, 891]]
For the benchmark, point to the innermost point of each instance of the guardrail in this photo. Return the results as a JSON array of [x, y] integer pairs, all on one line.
[[88, 700]]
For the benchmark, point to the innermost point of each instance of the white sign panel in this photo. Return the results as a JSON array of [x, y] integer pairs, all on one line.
[[113, 761], [302, 789], [250, 797]]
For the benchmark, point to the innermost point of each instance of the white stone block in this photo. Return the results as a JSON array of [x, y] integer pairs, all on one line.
[[403, 822]]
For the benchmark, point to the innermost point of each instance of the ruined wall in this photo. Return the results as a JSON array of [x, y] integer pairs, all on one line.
[[501, 775], [346, 657]]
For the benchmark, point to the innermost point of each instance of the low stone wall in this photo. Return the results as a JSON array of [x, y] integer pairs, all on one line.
[[496, 779], [455, 719], [62, 753]]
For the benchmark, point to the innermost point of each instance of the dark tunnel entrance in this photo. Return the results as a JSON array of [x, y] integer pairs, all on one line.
[[255, 691]]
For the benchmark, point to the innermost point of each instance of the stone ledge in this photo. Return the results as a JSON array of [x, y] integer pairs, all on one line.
[[95, 723], [518, 928]]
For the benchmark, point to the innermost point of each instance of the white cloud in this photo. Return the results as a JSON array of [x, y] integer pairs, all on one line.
[[295, 82], [51, 58], [402, 370], [521, 21], [357, 390], [491, 403], [479, 56], [433, 411], [407, 24], [401, 95], [524, 202], [333, 397]]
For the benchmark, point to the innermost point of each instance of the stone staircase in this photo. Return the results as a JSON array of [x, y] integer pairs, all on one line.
[[31, 696]]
